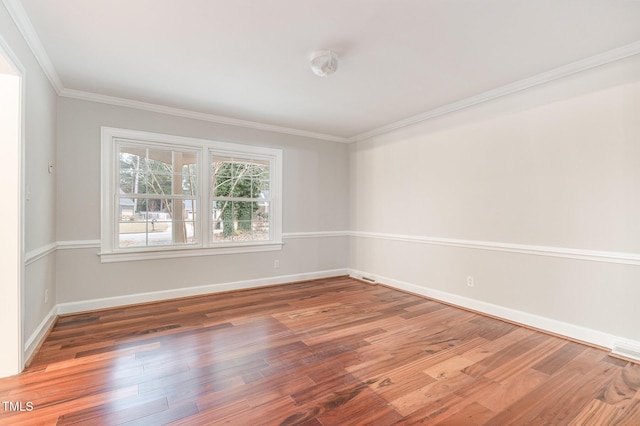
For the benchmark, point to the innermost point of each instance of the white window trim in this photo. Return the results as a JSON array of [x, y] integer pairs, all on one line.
[[109, 252]]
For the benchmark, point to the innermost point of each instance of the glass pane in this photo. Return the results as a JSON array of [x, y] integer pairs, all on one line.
[[219, 237], [127, 209], [221, 166], [240, 221], [263, 173], [157, 222], [261, 235], [142, 233], [161, 160], [184, 221], [245, 168], [261, 222], [260, 189], [222, 220], [133, 151], [259, 170], [183, 232], [244, 210], [188, 179], [242, 187], [127, 165], [185, 157], [238, 178], [158, 214], [262, 213], [222, 186], [126, 182], [189, 209], [250, 168], [132, 233], [152, 184], [222, 225], [157, 171]]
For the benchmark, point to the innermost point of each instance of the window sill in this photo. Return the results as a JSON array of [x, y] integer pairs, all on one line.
[[168, 253]]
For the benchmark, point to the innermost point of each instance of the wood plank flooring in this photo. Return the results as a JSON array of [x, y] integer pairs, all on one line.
[[324, 352]]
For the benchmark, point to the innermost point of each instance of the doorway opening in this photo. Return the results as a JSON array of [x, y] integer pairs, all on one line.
[[11, 223]]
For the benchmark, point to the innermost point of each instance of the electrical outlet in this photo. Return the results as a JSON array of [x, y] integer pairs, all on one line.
[[470, 281], [46, 295], [276, 264]]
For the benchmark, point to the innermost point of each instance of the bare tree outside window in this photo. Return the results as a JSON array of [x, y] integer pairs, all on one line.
[[240, 193]]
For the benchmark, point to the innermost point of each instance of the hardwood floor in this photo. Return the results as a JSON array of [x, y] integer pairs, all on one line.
[[326, 352]]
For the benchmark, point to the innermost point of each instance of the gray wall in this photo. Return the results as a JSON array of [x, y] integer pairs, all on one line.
[[40, 146], [315, 198], [554, 168]]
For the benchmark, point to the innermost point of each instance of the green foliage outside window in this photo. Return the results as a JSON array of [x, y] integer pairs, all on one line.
[[238, 180]]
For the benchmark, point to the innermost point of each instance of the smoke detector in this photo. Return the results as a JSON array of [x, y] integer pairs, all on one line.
[[324, 62]]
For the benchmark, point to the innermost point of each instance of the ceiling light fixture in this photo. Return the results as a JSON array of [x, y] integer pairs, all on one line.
[[324, 62]]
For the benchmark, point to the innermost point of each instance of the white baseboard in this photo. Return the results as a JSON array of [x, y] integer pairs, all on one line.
[[571, 331], [112, 302], [39, 334]]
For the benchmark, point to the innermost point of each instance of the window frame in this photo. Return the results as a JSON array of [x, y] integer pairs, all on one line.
[[204, 246], [236, 156], [148, 145]]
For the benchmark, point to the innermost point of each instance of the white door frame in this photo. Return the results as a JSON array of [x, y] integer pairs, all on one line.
[[12, 321]]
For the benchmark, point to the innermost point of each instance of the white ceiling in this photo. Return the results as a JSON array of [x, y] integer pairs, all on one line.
[[248, 59]]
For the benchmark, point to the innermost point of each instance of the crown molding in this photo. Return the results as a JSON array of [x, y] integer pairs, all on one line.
[[162, 109], [545, 77], [22, 21]]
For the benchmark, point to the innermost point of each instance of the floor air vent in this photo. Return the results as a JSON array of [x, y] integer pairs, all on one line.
[[626, 350]]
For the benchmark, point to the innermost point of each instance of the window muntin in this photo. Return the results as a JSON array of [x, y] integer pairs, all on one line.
[[169, 196]]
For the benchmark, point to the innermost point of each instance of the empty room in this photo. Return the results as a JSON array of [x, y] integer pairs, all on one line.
[[293, 212]]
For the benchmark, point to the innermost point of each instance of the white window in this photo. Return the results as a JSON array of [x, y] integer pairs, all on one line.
[[170, 196]]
